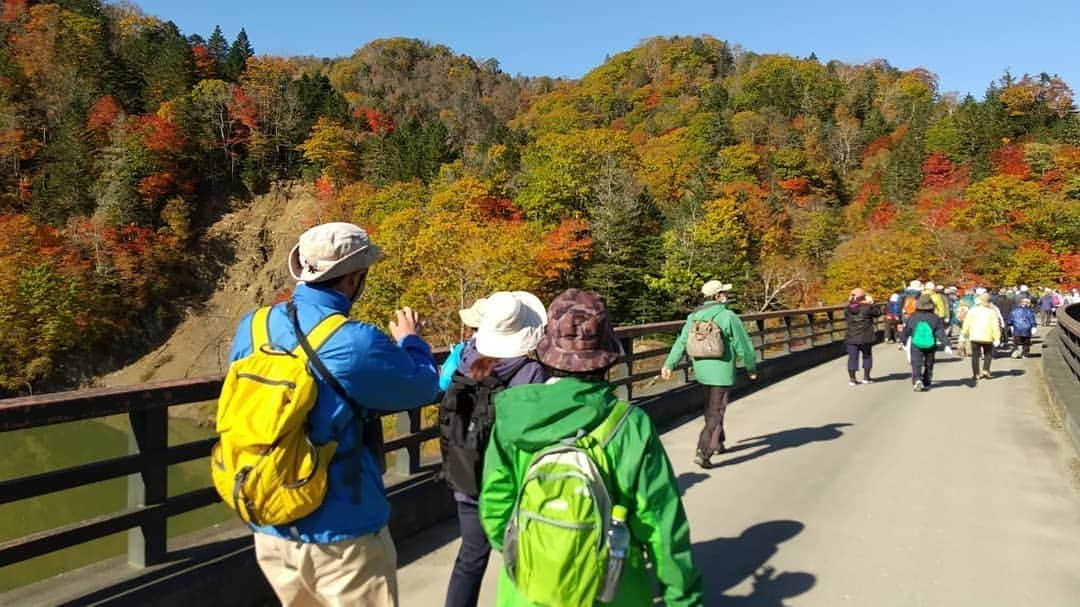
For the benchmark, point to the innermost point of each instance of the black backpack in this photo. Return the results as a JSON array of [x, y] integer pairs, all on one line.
[[466, 416]]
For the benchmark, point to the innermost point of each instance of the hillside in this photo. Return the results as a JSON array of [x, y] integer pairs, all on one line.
[[677, 161], [255, 242]]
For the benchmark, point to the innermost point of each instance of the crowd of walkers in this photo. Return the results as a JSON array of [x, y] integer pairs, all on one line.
[[925, 317], [544, 462]]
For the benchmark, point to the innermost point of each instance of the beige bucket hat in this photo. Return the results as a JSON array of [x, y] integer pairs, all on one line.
[[471, 316], [512, 324], [331, 250]]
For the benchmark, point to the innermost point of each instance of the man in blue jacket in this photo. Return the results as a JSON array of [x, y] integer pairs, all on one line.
[[342, 553]]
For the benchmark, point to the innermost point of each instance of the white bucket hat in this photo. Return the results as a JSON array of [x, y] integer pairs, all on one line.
[[713, 287], [331, 250], [512, 324], [915, 285], [471, 316]]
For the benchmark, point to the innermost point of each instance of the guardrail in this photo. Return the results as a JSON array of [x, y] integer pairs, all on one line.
[[1068, 319], [774, 334]]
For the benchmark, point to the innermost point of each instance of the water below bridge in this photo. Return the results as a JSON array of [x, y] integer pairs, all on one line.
[[867, 495], [46, 448]]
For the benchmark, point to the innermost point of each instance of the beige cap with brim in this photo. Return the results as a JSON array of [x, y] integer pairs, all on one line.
[[713, 287], [332, 250]]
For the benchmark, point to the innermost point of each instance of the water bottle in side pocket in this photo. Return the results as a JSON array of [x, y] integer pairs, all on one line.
[[618, 547]]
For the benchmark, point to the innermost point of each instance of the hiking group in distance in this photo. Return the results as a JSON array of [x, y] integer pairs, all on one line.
[[546, 465]]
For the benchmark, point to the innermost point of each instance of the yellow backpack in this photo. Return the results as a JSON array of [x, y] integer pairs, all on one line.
[[265, 466]]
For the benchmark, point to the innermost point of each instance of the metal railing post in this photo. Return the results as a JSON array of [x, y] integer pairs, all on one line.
[[408, 422], [788, 336], [626, 391], [146, 544]]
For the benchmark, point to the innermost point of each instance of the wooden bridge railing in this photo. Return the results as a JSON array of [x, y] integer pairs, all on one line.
[[774, 334]]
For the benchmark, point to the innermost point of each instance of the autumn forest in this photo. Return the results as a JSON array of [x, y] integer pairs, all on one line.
[[686, 158]]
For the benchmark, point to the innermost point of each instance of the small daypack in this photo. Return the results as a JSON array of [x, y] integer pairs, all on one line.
[[923, 336], [264, 465], [555, 546], [705, 340], [466, 416]]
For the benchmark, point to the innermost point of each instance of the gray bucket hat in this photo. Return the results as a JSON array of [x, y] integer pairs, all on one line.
[[331, 250]]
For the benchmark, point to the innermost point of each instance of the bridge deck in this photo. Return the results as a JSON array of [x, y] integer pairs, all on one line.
[[868, 495]]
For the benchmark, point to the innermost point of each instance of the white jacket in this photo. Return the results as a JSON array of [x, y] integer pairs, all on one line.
[[981, 325]]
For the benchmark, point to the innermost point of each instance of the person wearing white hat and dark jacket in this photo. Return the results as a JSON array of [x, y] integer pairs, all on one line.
[[342, 553], [498, 357], [717, 373]]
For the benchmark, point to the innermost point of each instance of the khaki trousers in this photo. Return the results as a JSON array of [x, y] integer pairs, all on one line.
[[361, 572]]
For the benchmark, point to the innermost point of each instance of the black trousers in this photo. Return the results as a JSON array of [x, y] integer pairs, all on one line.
[[985, 351], [922, 365], [716, 402], [472, 559], [1022, 342], [853, 351]]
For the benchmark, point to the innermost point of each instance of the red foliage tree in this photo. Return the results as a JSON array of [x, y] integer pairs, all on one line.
[[1009, 160], [377, 122]]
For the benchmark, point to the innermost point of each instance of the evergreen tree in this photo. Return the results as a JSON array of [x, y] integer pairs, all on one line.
[[218, 45], [236, 59]]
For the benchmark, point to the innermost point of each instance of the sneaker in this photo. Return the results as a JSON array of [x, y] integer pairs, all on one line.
[[974, 381], [720, 449], [984, 375], [866, 380], [853, 383], [918, 386], [702, 460]]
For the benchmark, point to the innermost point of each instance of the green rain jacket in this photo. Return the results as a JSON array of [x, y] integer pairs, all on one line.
[[531, 417], [717, 371]]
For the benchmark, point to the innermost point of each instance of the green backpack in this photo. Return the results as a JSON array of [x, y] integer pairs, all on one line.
[[923, 336], [555, 547]]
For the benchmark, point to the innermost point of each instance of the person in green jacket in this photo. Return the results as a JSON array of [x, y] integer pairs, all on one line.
[[578, 347], [717, 374]]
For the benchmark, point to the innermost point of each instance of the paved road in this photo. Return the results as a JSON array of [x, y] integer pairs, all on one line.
[[869, 495]]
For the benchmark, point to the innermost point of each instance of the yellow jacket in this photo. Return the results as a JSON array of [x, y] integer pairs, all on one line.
[[981, 325]]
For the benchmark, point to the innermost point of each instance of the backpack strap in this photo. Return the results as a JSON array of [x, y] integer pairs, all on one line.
[[369, 429], [260, 328], [607, 429]]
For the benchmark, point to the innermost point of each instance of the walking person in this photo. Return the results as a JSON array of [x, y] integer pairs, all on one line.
[[498, 358], [715, 372], [922, 333], [1046, 307], [893, 310], [342, 552], [1022, 323], [860, 335], [983, 331], [574, 422]]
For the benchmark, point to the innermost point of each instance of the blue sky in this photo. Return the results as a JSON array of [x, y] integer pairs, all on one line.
[[967, 44]]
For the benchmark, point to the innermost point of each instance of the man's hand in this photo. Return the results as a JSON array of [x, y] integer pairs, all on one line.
[[665, 373], [408, 323]]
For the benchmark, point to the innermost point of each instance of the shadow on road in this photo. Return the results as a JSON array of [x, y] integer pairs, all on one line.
[[891, 377], [778, 441], [726, 562], [689, 479]]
